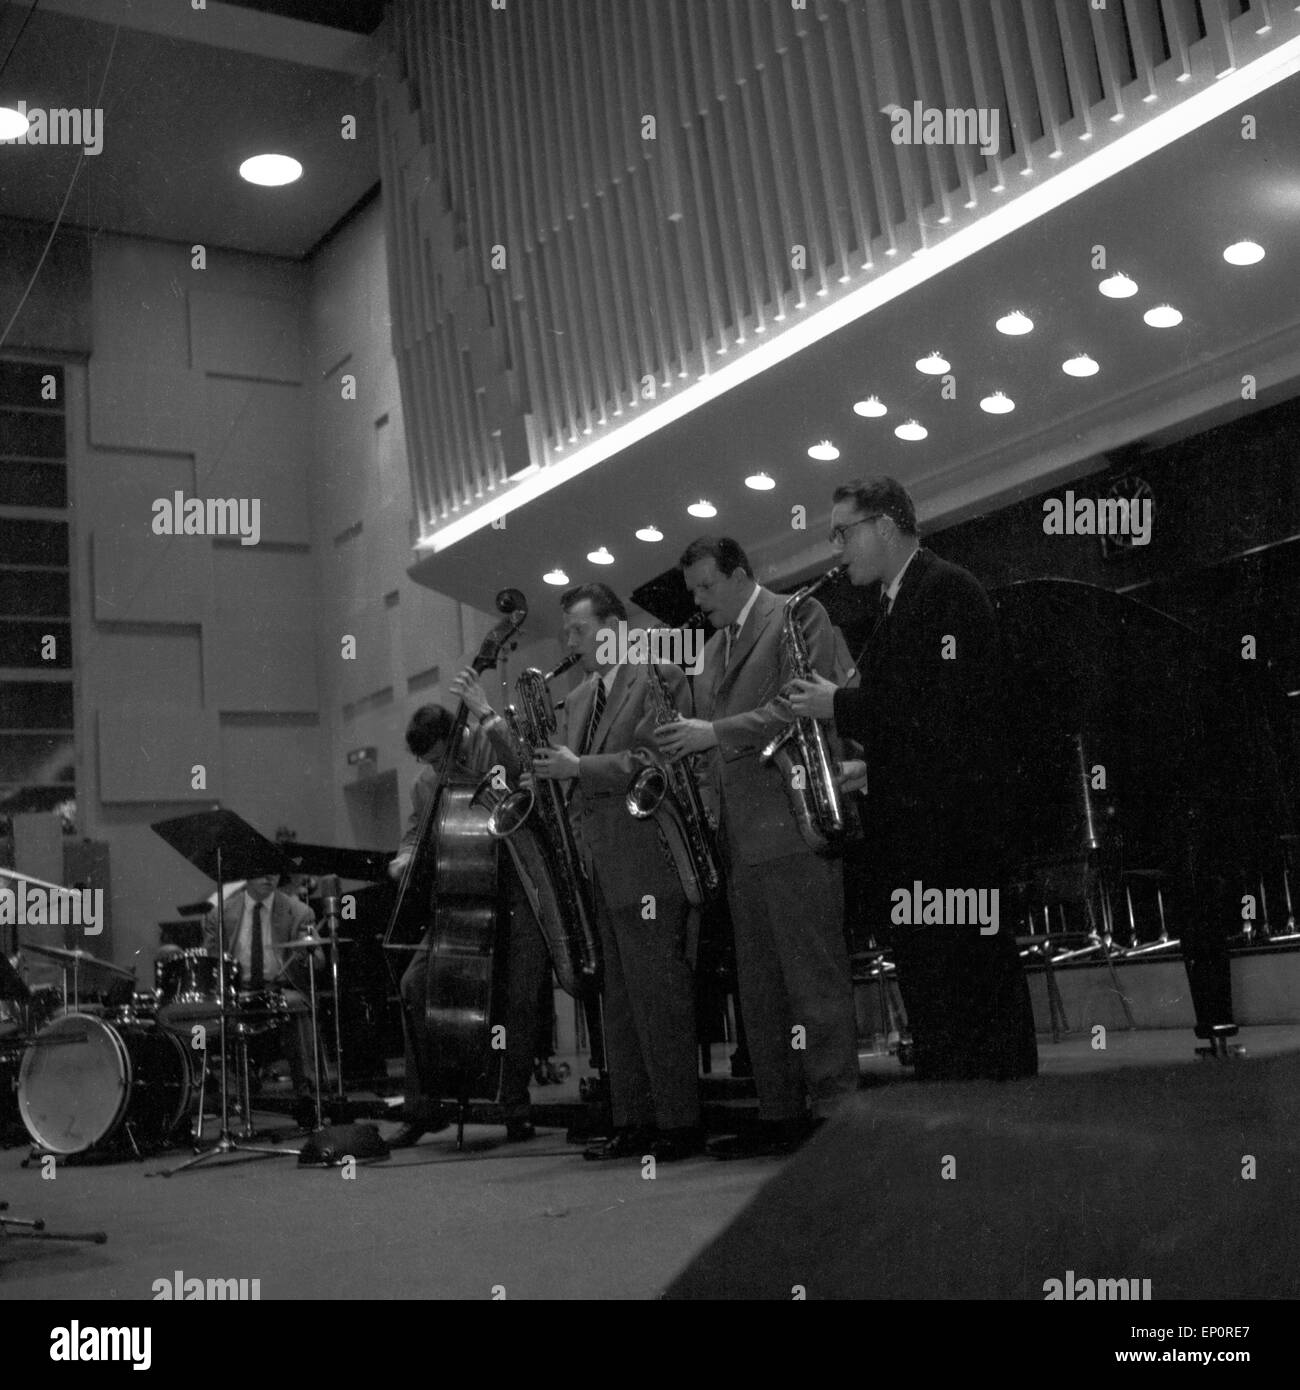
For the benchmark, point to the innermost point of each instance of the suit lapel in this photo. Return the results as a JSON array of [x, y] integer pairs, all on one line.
[[619, 692], [759, 617]]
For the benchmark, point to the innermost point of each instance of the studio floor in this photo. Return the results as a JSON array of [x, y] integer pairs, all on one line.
[[531, 1219]]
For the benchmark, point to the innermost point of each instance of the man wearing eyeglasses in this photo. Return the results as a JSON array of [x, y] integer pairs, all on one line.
[[926, 712]]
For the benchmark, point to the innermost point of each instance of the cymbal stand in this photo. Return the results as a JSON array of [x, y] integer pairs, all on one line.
[[226, 1142]]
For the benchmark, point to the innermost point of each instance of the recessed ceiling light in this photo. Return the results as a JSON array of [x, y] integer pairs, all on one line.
[[1163, 316], [13, 124], [825, 452], [911, 430], [933, 365], [1080, 365], [760, 482], [555, 576], [600, 557], [1243, 253], [872, 407], [999, 403], [1015, 323], [1118, 286], [649, 533], [702, 508], [270, 170]]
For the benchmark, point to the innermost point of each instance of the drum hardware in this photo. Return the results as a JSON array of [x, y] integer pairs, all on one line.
[[218, 843], [35, 1230], [308, 943]]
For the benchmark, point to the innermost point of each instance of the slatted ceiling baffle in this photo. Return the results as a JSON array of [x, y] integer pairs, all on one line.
[[1049, 75], [1019, 118], [925, 79], [629, 258]]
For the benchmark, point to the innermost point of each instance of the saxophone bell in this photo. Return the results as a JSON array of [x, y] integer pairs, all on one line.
[[646, 792]]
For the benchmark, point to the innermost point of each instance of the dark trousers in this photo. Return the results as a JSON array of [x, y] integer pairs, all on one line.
[[527, 970], [649, 1011], [793, 971], [967, 999]]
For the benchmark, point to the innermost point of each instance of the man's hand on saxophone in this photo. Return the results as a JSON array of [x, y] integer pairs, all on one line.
[[851, 775], [813, 698], [678, 737], [555, 763]]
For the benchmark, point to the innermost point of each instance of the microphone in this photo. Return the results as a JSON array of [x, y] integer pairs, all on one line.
[[331, 908]]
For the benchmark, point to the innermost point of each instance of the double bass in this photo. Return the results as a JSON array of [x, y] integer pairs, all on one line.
[[452, 890]]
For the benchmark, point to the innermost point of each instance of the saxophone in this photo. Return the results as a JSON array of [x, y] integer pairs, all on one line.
[[816, 805], [668, 792], [535, 825]]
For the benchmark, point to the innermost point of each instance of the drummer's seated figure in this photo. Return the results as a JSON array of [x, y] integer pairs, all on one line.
[[261, 910]]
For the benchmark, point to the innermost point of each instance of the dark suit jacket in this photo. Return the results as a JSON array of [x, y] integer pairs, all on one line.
[[290, 918], [926, 713], [740, 702]]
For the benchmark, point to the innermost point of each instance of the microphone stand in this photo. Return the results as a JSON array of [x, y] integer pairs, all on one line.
[[329, 892]]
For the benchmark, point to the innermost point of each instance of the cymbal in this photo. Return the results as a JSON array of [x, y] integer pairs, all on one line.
[[78, 957], [305, 943]]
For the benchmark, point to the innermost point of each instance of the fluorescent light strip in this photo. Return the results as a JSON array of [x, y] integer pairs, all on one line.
[[1136, 143]]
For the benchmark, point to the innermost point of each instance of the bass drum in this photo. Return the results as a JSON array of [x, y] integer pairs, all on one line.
[[85, 1083]]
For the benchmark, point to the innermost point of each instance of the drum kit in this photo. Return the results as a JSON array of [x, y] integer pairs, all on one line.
[[103, 1068]]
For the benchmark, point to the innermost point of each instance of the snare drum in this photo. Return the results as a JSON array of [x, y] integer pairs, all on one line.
[[187, 986], [143, 1010], [85, 1083], [260, 1011]]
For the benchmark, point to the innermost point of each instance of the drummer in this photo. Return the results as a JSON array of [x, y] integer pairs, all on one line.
[[260, 919]]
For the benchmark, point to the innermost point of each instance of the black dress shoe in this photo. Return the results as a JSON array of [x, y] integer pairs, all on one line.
[[623, 1143], [413, 1131], [672, 1145], [768, 1137], [519, 1130]]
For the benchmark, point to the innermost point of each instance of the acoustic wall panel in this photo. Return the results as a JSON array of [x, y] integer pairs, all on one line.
[[150, 752], [242, 336], [260, 666]]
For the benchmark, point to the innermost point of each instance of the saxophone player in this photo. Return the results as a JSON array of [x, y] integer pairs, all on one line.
[[604, 737], [787, 903], [927, 713]]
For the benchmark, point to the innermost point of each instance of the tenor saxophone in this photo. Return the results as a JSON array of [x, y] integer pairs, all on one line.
[[535, 824], [802, 745], [668, 792]]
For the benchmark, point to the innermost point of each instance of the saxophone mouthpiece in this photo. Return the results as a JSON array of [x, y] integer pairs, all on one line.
[[567, 664]]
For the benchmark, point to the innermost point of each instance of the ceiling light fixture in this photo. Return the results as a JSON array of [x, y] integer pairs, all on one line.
[[933, 365], [555, 576], [271, 170], [650, 533], [1243, 253], [1163, 316], [760, 482], [1118, 286], [825, 452], [601, 556], [13, 124], [999, 403], [1080, 365], [1015, 323], [911, 430], [702, 509], [872, 407]]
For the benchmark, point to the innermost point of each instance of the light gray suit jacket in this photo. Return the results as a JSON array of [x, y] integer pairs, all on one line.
[[739, 699]]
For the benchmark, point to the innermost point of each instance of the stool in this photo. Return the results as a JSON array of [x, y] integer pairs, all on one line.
[[1163, 942]]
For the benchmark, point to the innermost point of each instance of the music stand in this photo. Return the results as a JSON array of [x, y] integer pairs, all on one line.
[[219, 843]]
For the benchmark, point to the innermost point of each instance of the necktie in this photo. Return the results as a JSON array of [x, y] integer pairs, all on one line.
[[597, 710], [733, 631], [257, 961]]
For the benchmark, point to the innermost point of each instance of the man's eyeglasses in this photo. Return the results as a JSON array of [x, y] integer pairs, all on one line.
[[839, 534]]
